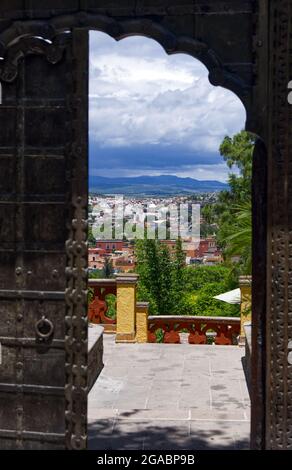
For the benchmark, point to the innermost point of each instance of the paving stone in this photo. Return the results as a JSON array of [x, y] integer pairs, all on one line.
[[103, 402], [136, 397], [165, 397], [169, 413], [155, 403], [97, 413], [212, 435], [211, 414], [193, 399], [118, 372], [100, 433], [127, 436], [167, 435]]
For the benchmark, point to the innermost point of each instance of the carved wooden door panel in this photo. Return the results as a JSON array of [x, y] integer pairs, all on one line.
[[43, 253], [279, 254]]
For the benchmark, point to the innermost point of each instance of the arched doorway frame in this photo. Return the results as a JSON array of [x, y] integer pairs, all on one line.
[[49, 38]]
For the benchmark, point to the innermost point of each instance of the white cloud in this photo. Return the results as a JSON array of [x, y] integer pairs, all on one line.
[[141, 96]]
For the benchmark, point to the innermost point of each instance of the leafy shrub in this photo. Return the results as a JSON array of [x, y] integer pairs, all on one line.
[[206, 305], [201, 284], [111, 300]]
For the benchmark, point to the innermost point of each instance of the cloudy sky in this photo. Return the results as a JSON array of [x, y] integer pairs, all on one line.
[[153, 114]]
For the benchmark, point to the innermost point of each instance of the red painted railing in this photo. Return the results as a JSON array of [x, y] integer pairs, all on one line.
[[102, 307], [200, 330]]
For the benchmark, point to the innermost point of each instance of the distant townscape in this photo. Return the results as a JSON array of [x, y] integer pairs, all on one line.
[[121, 252], [186, 242]]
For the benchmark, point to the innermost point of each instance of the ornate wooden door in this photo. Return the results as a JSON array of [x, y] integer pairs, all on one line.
[[43, 251], [246, 46]]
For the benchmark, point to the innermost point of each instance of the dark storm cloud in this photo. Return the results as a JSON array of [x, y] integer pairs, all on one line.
[[153, 112]]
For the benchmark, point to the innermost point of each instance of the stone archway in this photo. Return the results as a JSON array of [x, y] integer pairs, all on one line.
[[61, 35]]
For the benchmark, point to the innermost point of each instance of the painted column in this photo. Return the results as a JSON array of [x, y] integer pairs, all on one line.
[[245, 305], [142, 322], [126, 308]]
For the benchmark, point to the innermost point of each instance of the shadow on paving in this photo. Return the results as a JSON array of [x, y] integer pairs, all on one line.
[[123, 434]]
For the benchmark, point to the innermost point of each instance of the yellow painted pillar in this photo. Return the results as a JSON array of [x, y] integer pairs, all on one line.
[[126, 308], [245, 305], [142, 322]]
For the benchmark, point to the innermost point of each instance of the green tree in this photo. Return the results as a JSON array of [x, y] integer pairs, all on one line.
[[147, 290], [156, 276], [238, 236], [172, 288], [206, 305], [201, 284], [96, 274], [197, 277], [179, 262], [108, 270], [180, 257], [232, 212], [166, 286], [91, 239]]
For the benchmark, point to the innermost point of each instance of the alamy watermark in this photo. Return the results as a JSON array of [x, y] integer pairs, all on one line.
[[121, 220], [289, 97]]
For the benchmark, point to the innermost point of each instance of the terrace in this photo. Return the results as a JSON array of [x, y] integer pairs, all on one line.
[[169, 396], [167, 382]]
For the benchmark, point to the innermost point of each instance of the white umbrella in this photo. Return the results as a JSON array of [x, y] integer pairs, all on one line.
[[230, 297]]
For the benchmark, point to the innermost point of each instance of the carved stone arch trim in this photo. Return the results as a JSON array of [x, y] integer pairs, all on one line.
[[25, 37], [49, 38], [52, 50]]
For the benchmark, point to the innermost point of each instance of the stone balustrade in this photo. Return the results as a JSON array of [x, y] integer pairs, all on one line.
[[200, 330], [245, 283], [142, 322], [126, 307], [114, 306], [102, 308]]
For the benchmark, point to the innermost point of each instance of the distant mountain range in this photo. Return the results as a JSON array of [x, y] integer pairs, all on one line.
[[152, 185]]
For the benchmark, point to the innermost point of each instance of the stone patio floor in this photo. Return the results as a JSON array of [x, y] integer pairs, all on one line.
[[169, 397]]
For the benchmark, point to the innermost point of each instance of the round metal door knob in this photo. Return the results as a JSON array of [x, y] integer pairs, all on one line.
[[44, 328]]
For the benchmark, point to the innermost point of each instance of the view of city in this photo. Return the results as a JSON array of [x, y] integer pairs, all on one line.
[[145, 230], [121, 253], [169, 246], [170, 203]]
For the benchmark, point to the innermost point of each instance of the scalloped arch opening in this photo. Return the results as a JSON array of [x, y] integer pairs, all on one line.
[[119, 29], [152, 113]]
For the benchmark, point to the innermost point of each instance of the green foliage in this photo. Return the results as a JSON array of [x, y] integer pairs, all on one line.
[[96, 274], [171, 288], [108, 270], [155, 268], [91, 239], [207, 230], [206, 305], [159, 333], [238, 236], [232, 212], [177, 285], [111, 300], [196, 278], [90, 295], [201, 284], [180, 259], [238, 150]]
